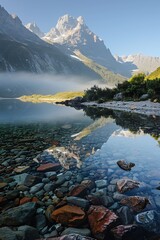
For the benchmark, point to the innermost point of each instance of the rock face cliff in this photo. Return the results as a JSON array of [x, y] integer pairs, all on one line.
[[146, 64], [73, 34], [22, 50]]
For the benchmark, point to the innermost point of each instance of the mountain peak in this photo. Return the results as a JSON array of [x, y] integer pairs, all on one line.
[[35, 29]]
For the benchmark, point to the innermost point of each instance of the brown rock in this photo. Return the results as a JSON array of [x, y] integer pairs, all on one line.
[[125, 166], [126, 184], [48, 167], [69, 215], [79, 190], [25, 200], [101, 220], [48, 213], [137, 203], [21, 169]]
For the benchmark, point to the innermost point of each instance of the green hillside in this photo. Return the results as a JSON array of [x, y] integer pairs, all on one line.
[[154, 75], [60, 96], [107, 76]]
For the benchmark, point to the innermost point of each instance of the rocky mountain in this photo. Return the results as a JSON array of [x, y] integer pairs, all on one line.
[[73, 34], [146, 64], [22, 50], [35, 29]]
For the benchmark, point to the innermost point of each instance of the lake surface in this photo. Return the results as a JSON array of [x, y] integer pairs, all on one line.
[[102, 137]]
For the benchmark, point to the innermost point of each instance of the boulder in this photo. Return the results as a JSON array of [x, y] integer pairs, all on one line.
[[127, 166], [69, 215], [149, 220], [26, 179], [27, 233], [79, 190], [126, 184], [17, 216], [137, 203], [7, 234], [48, 167], [101, 220], [125, 215]]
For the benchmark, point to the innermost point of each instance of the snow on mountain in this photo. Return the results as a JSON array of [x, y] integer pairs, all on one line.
[[35, 29], [74, 34], [146, 64], [12, 26]]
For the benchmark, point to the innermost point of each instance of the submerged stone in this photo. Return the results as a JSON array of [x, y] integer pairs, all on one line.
[[126, 184], [69, 215], [137, 203], [125, 165], [101, 220]]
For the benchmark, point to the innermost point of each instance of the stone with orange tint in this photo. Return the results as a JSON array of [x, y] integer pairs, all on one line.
[[69, 215]]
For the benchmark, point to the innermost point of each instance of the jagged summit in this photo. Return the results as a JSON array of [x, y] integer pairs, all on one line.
[[35, 29]]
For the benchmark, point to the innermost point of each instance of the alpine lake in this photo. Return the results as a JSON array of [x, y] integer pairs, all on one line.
[[87, 144]]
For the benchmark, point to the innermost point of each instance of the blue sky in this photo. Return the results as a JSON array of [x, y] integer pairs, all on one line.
[[126, 26]]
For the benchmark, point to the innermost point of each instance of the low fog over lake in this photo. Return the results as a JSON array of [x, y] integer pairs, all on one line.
[[18, 84]]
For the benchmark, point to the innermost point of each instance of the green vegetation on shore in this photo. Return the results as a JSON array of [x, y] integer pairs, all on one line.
[[107, 76], [154, 75], [58, 97], [138, 87]]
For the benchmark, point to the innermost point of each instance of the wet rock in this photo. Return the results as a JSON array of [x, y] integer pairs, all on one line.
[[94, 200], [50, 174], [18, 215], [118, 196], [28, 232], [101, 220], [128, 232], [40, 221], [69, 215], [80, 202], [79, 190], [127, 166], [81, 231], [48, 213], [149, 220], [26, 179], [126, 184], [101, 183], [25, 200], [125, 215], [7, 234], [48, 167], [49, 187], [107, 201], [36, 188], [137, 203], [21, 169]]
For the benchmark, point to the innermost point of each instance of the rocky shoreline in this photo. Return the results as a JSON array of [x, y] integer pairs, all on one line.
[[51, 196], [142, 107]]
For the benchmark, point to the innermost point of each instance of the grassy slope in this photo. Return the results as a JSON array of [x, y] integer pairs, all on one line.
[[106, 75], [154, 75], [61, 96]]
